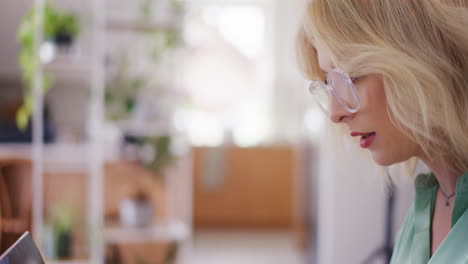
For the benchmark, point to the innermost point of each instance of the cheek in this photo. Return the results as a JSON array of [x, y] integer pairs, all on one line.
[[392, 148], [392, 145], [371, 93]]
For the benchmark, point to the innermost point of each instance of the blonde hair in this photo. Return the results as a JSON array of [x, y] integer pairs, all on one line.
[[420, 47]]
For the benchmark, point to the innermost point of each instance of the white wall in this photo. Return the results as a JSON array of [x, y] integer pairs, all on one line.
[[10, 16], [290, 89], [351, 206]]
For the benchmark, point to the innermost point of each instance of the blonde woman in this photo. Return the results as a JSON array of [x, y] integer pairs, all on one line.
[[394, 73]]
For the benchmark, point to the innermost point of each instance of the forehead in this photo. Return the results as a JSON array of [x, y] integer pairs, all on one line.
[[324, 58]]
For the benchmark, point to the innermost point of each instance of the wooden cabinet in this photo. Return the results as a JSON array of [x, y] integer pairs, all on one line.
[[15, 200], [244, 187]]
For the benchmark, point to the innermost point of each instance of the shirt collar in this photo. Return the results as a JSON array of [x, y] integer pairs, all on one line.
[[461, 198], [427, 182]]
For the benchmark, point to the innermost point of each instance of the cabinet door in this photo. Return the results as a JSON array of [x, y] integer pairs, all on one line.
[[15, 200], [246, 187]]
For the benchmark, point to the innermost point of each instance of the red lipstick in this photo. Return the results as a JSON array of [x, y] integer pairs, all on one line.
[[367, 138]]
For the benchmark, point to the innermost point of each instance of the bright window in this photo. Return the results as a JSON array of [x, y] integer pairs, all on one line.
[[227, 74]]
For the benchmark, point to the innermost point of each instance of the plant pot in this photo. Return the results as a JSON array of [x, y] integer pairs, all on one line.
[[136, 212], [63, 41], [63, 244]]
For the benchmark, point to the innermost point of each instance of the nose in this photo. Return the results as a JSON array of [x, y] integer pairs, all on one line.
[[337, 113]]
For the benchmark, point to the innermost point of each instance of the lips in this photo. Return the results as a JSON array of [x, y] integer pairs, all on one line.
[[366, 138]]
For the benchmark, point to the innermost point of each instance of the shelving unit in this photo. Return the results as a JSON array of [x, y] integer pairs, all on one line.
[[175, 227], [70, 68], [89, 157]]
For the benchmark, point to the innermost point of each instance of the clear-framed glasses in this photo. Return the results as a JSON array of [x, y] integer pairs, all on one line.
[[340, 85]]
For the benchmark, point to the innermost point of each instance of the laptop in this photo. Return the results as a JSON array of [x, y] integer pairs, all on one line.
[[23, 251]]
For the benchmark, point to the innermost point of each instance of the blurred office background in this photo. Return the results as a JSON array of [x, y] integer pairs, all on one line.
[[176, 131]]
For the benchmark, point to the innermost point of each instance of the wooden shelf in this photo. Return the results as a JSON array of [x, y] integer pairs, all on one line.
[[138, 25], [58, 261], [14, 226], [57, 156], [173, 231]]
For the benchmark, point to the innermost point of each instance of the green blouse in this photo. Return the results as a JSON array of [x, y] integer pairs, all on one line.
[[413, 242]]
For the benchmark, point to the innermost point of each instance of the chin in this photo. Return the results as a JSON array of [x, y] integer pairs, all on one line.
[[385, 160]]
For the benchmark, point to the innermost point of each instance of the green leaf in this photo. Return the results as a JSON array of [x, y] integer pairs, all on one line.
[[54, 22], [22, 118], [146, 8], [129, 105]]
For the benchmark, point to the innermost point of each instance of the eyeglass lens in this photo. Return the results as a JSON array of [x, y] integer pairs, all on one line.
[[343, 89], [339, 87]]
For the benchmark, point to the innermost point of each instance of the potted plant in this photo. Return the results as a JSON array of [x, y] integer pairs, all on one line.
[[60, 228], [121, 91], [153, 152], [66, 29], [60, 28]]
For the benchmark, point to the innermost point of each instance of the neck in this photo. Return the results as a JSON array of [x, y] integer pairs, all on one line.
[[446, 177]]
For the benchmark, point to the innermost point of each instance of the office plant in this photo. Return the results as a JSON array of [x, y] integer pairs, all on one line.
[[61, 29]]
